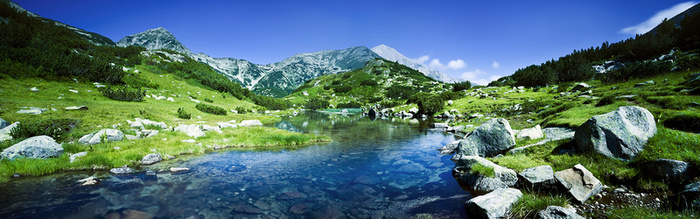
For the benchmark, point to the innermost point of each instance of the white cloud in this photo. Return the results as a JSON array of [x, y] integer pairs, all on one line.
[[495, 64], [478, 77], [422, 59], [655, 20], [456, 64], [436, 64]]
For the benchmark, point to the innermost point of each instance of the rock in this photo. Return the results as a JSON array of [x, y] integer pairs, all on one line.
[[413, 110], [34, 89], [5, 132], [90, 181], [151, 159], [580, 86], [35, 147], [191, 130], [3, 124], [541, 177], [99, 136], [227, 125], [178, 169], [170, 99], [644, 84], [150, 173], [32, 110], [626, 96], [475, 115], [449, 102], [77, 108], [76, 155], [248, 123], [667, 170], [502, 177], [691, 195], [578, 182], [496, 204], [455, 129], [557, 212], [618, 134], [489, 139], [146, 122], [449, 148], [531, 133], [440, 125], [121, 170]]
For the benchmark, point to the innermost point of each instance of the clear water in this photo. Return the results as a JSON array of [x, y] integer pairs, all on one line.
[[378, 168]]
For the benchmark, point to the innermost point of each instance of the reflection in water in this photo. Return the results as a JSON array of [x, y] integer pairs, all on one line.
[[379, 168]]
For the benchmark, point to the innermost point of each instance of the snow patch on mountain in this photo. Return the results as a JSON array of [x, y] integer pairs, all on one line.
[[391, 54]]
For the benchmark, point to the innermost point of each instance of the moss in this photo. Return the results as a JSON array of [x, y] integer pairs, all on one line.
[[482, 170]]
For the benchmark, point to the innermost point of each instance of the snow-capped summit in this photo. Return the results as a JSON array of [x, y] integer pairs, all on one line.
[[391, 54], [158, 38]]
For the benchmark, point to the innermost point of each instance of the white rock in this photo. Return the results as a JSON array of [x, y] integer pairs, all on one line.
[[76, 155]]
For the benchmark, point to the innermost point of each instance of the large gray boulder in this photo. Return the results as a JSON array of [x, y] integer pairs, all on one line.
[[557, 212], [579, 182], [102, 136], [669, 171], [502, 177], [496, 204], [191, 130], [491, 138], [531, 133], [541, 177], [35, 147], [618, 134], [151, 159], [5, 132]]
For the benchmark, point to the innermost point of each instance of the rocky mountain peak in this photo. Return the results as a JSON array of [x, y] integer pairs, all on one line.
[[157, 38], [391, 54]]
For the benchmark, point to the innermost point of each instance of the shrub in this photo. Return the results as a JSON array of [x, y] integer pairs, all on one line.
[[400, 92], [636, 70], [349, 105], [460, 86], [56, 128], [449, 95], [241, 110], [124, 94], [211, 109], [182, 114], [316, 103], [428, 104], [208, 100]]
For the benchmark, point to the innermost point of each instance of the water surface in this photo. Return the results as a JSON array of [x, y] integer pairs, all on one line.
[[380, 168]]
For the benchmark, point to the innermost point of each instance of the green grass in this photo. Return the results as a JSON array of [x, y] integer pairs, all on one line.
[[530, 204], [635, 212], [482, 170], [519, 162], [671, 144]]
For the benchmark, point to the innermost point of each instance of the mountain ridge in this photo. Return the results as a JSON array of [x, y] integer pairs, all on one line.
[[392, 54]]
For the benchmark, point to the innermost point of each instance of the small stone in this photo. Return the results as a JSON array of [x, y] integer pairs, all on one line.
[[179, 169], [121, 170], [90, 181], [150, 173]]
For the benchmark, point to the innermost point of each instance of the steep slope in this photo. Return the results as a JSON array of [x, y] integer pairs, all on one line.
[[276, 79], [391, 54], [679, 17], [91, 37]]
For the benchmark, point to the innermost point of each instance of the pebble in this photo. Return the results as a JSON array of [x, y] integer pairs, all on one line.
[[150, 173]]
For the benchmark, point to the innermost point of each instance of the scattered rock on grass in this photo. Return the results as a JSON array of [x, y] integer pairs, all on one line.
[[5, 132], [496, 204], [191, 130], [75, 156], [558, 212], [579, 182], [35, 147], [618, 134], [151, 159], [502, 177], [102, 136], [531, 133], [77, 108], [491, 138], [247, 123]]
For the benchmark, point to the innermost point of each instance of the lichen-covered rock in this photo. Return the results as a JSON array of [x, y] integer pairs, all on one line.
[[557, 212], [495, 204], [541, 177], [618, 134], [579, 182], [491, 138], [502, 177], [5, 132], [102, 136], [35, 147], [151, 159], [121, 170]]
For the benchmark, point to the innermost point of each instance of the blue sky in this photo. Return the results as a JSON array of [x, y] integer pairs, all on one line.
[[475, 40]]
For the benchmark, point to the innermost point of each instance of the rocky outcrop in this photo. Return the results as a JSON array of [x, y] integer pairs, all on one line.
[[557, 212], [537, 178], [142, 123], [104, 135], [502, 177], [191, 130], [491, 138], [618, 134], [578, 182], [496, 204], [35, 147], [151, 159], [531, 133]]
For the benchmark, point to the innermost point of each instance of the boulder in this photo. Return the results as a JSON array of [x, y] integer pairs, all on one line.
[[3, 124], [440, 125], [70, 108], [248, 123], [541, 177], [455, 128], [496, 204], [502, 177], [618, 134], [580, 86], [691, 196], [531, 133], [75, 156], [578, 182], [151, 159], [121, 170], [557, 212], [449, 148], [191, 130], [208, 128], [90, 181], [99, 136], [142, 123], [5, 132], [413, 110], [35, 147], [32, 110], [667, 170], [491, 138]]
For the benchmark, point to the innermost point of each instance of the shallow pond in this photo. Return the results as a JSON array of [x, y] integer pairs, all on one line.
[[380, 168]]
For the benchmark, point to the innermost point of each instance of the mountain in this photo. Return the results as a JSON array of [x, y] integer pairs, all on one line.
[[91, 37], [680, 16], [276, 79], [391, 54]]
